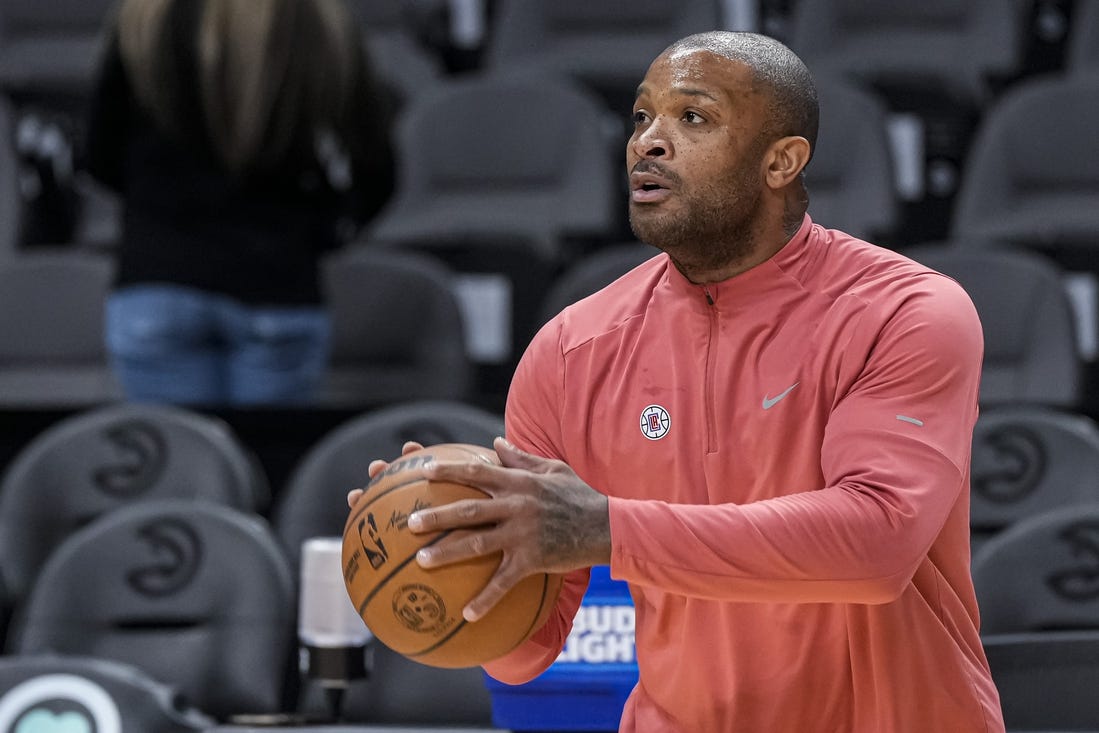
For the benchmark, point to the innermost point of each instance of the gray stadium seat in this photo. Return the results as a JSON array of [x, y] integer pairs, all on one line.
[[395, 694], [1031, 354], [1046, 680], [51, 330], [10, 197], [100, 460], [401, 62], [593, 272], [1032, 173], [50, 47], [313, 501], [953, 46], [68, 693], [1082, 53], [1039, 573], [606, 45], [397, 331], [536, 168], [850, 176], [197, 595], [1026, 460]]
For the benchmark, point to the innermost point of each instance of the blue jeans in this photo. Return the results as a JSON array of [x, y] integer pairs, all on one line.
[[177, 344]]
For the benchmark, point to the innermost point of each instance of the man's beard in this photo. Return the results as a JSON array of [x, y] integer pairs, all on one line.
[[714, 227]]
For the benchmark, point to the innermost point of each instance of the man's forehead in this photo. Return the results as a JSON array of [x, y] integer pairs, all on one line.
[[697, 69]]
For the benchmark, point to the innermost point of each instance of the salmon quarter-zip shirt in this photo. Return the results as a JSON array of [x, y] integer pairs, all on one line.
[[786, 456]]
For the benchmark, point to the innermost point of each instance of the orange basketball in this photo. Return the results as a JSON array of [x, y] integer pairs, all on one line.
[[415, 611]]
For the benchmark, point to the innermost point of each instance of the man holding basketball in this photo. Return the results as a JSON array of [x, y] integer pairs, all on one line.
[[776, 420]]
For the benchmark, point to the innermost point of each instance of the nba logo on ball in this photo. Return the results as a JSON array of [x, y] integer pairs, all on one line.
[[655, 422]]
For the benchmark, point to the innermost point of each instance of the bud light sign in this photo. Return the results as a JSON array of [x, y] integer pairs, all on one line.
[[586, 687], [600, 635]]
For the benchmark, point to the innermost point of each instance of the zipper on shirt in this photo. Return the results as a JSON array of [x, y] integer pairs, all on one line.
[[711, 368]]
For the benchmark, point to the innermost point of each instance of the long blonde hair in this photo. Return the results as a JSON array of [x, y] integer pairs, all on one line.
[[263, 68]]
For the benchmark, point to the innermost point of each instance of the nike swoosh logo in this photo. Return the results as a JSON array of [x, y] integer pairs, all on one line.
[[769, 402]]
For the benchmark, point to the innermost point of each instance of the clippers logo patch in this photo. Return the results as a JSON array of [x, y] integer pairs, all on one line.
[[655, 422]]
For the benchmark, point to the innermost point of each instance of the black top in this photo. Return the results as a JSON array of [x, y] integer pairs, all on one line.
[[189, 221]]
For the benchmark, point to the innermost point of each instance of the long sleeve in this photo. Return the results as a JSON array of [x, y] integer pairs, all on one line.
[[541, 438], [894, 462], [786, 457]]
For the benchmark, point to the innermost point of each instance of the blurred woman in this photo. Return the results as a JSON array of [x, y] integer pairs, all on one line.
[[246, 138]]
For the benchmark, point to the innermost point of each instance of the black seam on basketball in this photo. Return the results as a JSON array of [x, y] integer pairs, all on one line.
[[541, 605], [380, 584], [463, 622], [458, 627]]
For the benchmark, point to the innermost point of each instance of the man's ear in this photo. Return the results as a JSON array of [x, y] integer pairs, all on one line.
[[784, 160]]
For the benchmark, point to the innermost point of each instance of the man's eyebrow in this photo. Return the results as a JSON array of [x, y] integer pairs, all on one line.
[[692, 92], [684, 91]]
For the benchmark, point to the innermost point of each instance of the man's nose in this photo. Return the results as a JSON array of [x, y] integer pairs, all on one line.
[[652, 143]]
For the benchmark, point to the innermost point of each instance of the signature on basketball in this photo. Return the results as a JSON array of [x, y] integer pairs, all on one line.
[[399, 519]]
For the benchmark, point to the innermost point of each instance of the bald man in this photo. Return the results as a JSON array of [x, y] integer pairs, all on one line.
[[765, 430]]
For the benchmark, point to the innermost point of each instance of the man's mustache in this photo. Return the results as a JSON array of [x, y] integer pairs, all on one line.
[[656, 169]]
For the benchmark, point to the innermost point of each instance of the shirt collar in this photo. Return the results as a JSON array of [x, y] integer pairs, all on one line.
[[749, 284]]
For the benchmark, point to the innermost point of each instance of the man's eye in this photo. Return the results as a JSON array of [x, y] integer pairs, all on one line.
[[693, 117], [640, 118]]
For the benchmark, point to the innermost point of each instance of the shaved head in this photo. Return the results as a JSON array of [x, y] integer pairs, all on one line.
[[776, 70]]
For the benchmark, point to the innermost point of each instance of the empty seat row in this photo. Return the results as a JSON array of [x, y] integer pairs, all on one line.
[[570, 44], [138, 575], [545, 167], [116, 525], [403, 322], [886, 40], [1036, 584]]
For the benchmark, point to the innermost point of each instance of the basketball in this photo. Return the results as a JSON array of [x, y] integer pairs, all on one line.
[[415, 611]]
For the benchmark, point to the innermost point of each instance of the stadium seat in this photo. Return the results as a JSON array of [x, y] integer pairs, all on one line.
[[49, 48], [100, 460], [937, 65], [499, 281], [1039, 573], [1031, 355], [67, 693], [313, 502], [397, 330], [593, 272], [536, 168], [394, 694], [1033, 170], [51, 330], [1026, 460], [400, 61], [1046, 680], [606, 45], [954, 46], [1082, 52], [850, 176], [198, 595], [10, 197]]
